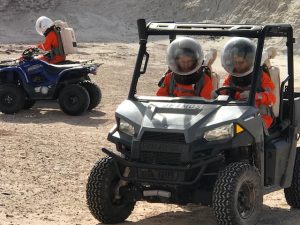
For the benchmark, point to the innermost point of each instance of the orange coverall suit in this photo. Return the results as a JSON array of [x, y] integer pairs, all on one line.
[[186, 90], [51, 41], [267, 97]]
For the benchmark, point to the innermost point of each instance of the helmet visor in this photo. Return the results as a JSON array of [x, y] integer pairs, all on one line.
[[184, 56], [238, 57]]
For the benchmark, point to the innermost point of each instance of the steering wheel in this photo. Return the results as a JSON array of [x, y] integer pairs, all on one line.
[[231, 91], [30, 52]]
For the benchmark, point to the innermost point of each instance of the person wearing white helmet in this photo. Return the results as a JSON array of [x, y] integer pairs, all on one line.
[[45, 27], [237, 59], [186, 75]]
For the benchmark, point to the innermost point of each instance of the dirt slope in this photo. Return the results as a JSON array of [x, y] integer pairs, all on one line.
[[108, 21]]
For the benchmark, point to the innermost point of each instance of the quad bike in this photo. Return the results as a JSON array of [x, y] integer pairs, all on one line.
[[182, 150], [28, 79]]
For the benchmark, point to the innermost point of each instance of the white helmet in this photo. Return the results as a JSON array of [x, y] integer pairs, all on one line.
[[42, 24], [238, 56], [184, 46]]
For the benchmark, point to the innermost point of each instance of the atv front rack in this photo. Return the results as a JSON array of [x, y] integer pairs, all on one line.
[[7, 63], [161, 174]]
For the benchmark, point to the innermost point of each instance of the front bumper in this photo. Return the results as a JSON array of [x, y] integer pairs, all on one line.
[[161, 174], [166, 158]]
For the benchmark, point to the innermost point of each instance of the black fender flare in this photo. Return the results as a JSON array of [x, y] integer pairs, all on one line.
[[77, 72], [10, 74], [70, 76]]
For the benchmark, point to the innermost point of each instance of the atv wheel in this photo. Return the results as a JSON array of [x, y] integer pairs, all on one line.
[[237, 195], [100, 194], [74, 99], [94, 92], [292, 194], [28, 103], [12, 98]]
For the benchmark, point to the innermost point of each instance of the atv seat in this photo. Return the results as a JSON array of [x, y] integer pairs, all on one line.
[[68, 62], [56, 69]]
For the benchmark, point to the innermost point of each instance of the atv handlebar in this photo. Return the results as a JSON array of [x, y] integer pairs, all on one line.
[[30, 53]]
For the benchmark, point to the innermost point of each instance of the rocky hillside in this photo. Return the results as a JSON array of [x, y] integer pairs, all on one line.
[[114, 20]]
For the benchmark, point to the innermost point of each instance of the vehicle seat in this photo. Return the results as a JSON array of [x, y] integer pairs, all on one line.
[[67, 62], [270, 53], [209, 59], [275, 76], [215, 78], [56, 69]]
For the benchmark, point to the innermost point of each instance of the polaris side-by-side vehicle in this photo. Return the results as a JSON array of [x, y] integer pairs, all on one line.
[[24, 81], [184, 150]]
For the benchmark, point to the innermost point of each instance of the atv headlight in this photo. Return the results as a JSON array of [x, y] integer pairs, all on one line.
[[220, 133], [126, 128], [93, 70]]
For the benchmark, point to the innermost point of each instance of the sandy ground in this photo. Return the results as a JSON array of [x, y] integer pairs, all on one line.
[[46, 156]]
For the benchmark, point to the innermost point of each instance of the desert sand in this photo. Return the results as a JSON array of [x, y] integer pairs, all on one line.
[[46, 156]]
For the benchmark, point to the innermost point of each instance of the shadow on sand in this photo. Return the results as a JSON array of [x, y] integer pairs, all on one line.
[[46, 112], [204, 216]]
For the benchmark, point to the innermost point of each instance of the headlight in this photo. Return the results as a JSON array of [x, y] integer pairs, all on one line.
[[126, 128], [220, 133], [93, 70]]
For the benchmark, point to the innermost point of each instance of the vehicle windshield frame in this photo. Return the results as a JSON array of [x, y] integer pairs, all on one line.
[[260, 32]]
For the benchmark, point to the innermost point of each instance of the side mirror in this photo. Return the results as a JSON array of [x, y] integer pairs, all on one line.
[[145, 60]]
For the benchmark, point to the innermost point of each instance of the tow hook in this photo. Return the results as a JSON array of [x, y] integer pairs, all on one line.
[[121, 183]]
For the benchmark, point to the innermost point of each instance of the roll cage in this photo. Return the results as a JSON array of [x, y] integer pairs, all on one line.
[[172, 29]]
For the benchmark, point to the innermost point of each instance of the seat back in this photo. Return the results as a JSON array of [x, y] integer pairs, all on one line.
[[270, 53], [275, 76], [209, 59], [215, 78]]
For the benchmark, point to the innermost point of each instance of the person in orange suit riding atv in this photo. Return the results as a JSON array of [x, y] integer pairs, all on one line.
[[238, 60], [186, 75], [45, 27]]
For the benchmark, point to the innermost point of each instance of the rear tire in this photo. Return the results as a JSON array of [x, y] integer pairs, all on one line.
[[12, 98], [94, 92], [74, 99], [292, 194], [100, 194], [237, 195]]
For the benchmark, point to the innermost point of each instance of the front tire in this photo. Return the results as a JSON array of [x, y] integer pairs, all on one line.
[[100, 194], [237, 195], [292, 194], [12, 98], [94, 92], [74, 99]]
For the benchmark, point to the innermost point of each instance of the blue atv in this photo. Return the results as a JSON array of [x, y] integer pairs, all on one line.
[[24, 81]]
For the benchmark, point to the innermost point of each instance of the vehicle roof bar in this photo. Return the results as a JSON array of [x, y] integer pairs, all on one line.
[[172, 28]]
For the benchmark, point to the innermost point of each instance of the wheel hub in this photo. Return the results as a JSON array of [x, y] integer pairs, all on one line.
[[73, 100], [246, 200], [8, 99]]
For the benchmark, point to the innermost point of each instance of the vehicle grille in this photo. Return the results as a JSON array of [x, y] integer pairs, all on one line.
[[163, 137], [159, 175], [202, 154], [160, 158]]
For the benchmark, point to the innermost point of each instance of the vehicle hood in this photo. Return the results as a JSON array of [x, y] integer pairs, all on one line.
[[191, 119]]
